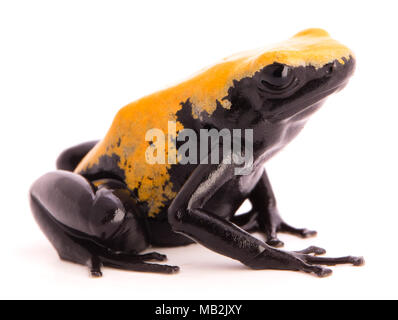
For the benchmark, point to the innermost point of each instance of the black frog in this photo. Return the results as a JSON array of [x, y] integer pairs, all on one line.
[[105, 204]]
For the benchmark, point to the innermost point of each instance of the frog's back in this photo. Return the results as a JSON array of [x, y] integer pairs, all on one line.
[[122, 153]]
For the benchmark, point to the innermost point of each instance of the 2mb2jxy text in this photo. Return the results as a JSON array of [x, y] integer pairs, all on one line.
[[212, 309]]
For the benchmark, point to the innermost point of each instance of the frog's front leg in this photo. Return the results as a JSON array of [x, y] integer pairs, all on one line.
[[264, 216], [187, 216], [93, 223]]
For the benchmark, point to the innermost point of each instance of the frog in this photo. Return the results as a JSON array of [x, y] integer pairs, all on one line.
[[105, 205]]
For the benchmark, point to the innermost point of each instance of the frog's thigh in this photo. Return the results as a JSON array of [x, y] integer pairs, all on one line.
[[79, 221]]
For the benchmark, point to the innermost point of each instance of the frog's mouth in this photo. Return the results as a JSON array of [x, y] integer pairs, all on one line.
[[324, 94], [313, 104]]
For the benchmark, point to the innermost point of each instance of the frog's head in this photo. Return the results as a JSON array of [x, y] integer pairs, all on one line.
[[290, 80]]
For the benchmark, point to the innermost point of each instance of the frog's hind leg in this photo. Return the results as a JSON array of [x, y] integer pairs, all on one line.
[[67, 247], [93, 225]]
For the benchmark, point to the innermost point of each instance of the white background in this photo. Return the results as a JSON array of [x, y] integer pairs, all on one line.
[[66, 67]]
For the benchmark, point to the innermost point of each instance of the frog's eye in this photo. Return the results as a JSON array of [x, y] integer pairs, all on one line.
[[277, 77]]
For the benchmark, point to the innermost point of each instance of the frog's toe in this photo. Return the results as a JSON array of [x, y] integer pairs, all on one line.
[[302, 233], [95, 265], [95, 273], [133, 257], [272, 238], [315, 250], [275, 242], [153, 256], [305, 233], [358, 261], [321, 272], [355, 261]]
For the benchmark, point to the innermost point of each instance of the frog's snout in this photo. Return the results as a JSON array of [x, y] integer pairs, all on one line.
[[339, 71]]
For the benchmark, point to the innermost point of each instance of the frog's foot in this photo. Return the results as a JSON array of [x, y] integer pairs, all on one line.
[[134, 262], [313, 264], [270, 224], [272, 229], [138, 264], [123, 261], [301, 261], [130, 263]]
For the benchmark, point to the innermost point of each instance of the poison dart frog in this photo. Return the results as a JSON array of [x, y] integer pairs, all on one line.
[[107, 203]]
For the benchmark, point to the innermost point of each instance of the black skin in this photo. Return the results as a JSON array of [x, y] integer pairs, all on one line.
[[93, 219]]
